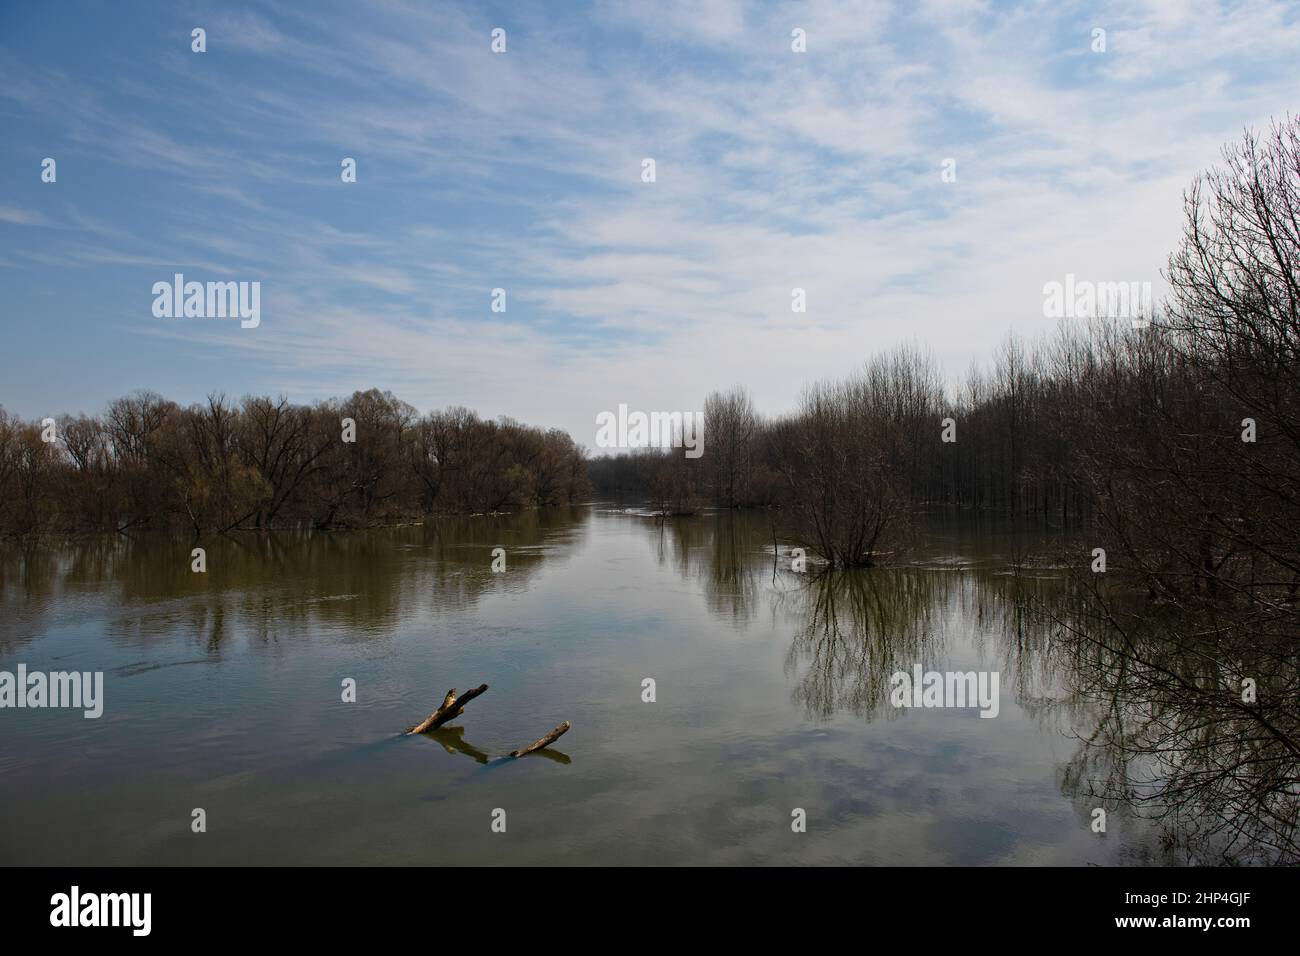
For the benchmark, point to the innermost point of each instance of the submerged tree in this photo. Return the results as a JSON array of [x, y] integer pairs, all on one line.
[[845, 457], [731, 426]]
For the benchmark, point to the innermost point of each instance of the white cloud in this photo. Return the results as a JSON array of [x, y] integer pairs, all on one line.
[[22, 217]]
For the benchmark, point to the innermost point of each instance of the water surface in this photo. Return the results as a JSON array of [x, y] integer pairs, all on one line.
[[223, 691]]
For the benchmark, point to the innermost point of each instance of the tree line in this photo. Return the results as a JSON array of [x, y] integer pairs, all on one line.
[[1177, 442], [259, 463]]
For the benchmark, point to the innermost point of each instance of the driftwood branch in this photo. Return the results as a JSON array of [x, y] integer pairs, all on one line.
[[452, 706], [546, 741]]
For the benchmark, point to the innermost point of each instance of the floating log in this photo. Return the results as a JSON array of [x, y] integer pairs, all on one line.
[[452, 706], [546, 741]]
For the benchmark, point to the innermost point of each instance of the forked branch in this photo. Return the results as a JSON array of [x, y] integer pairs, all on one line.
[[452, 706]]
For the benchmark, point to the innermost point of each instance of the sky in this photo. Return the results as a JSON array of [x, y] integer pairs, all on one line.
[[523, 170]]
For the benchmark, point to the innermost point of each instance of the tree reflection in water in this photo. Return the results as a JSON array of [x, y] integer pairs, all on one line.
[[1155, 699], [1171, 734]]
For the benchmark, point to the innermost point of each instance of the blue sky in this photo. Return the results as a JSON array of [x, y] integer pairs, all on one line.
[[521, 170]]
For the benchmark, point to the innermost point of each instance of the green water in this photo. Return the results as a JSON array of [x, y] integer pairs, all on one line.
[[223, 692]]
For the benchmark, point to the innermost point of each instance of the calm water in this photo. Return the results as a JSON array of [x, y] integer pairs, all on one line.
[[223, 691]]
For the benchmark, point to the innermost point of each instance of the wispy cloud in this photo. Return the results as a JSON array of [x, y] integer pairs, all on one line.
[[775, 170], [22, 217]]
